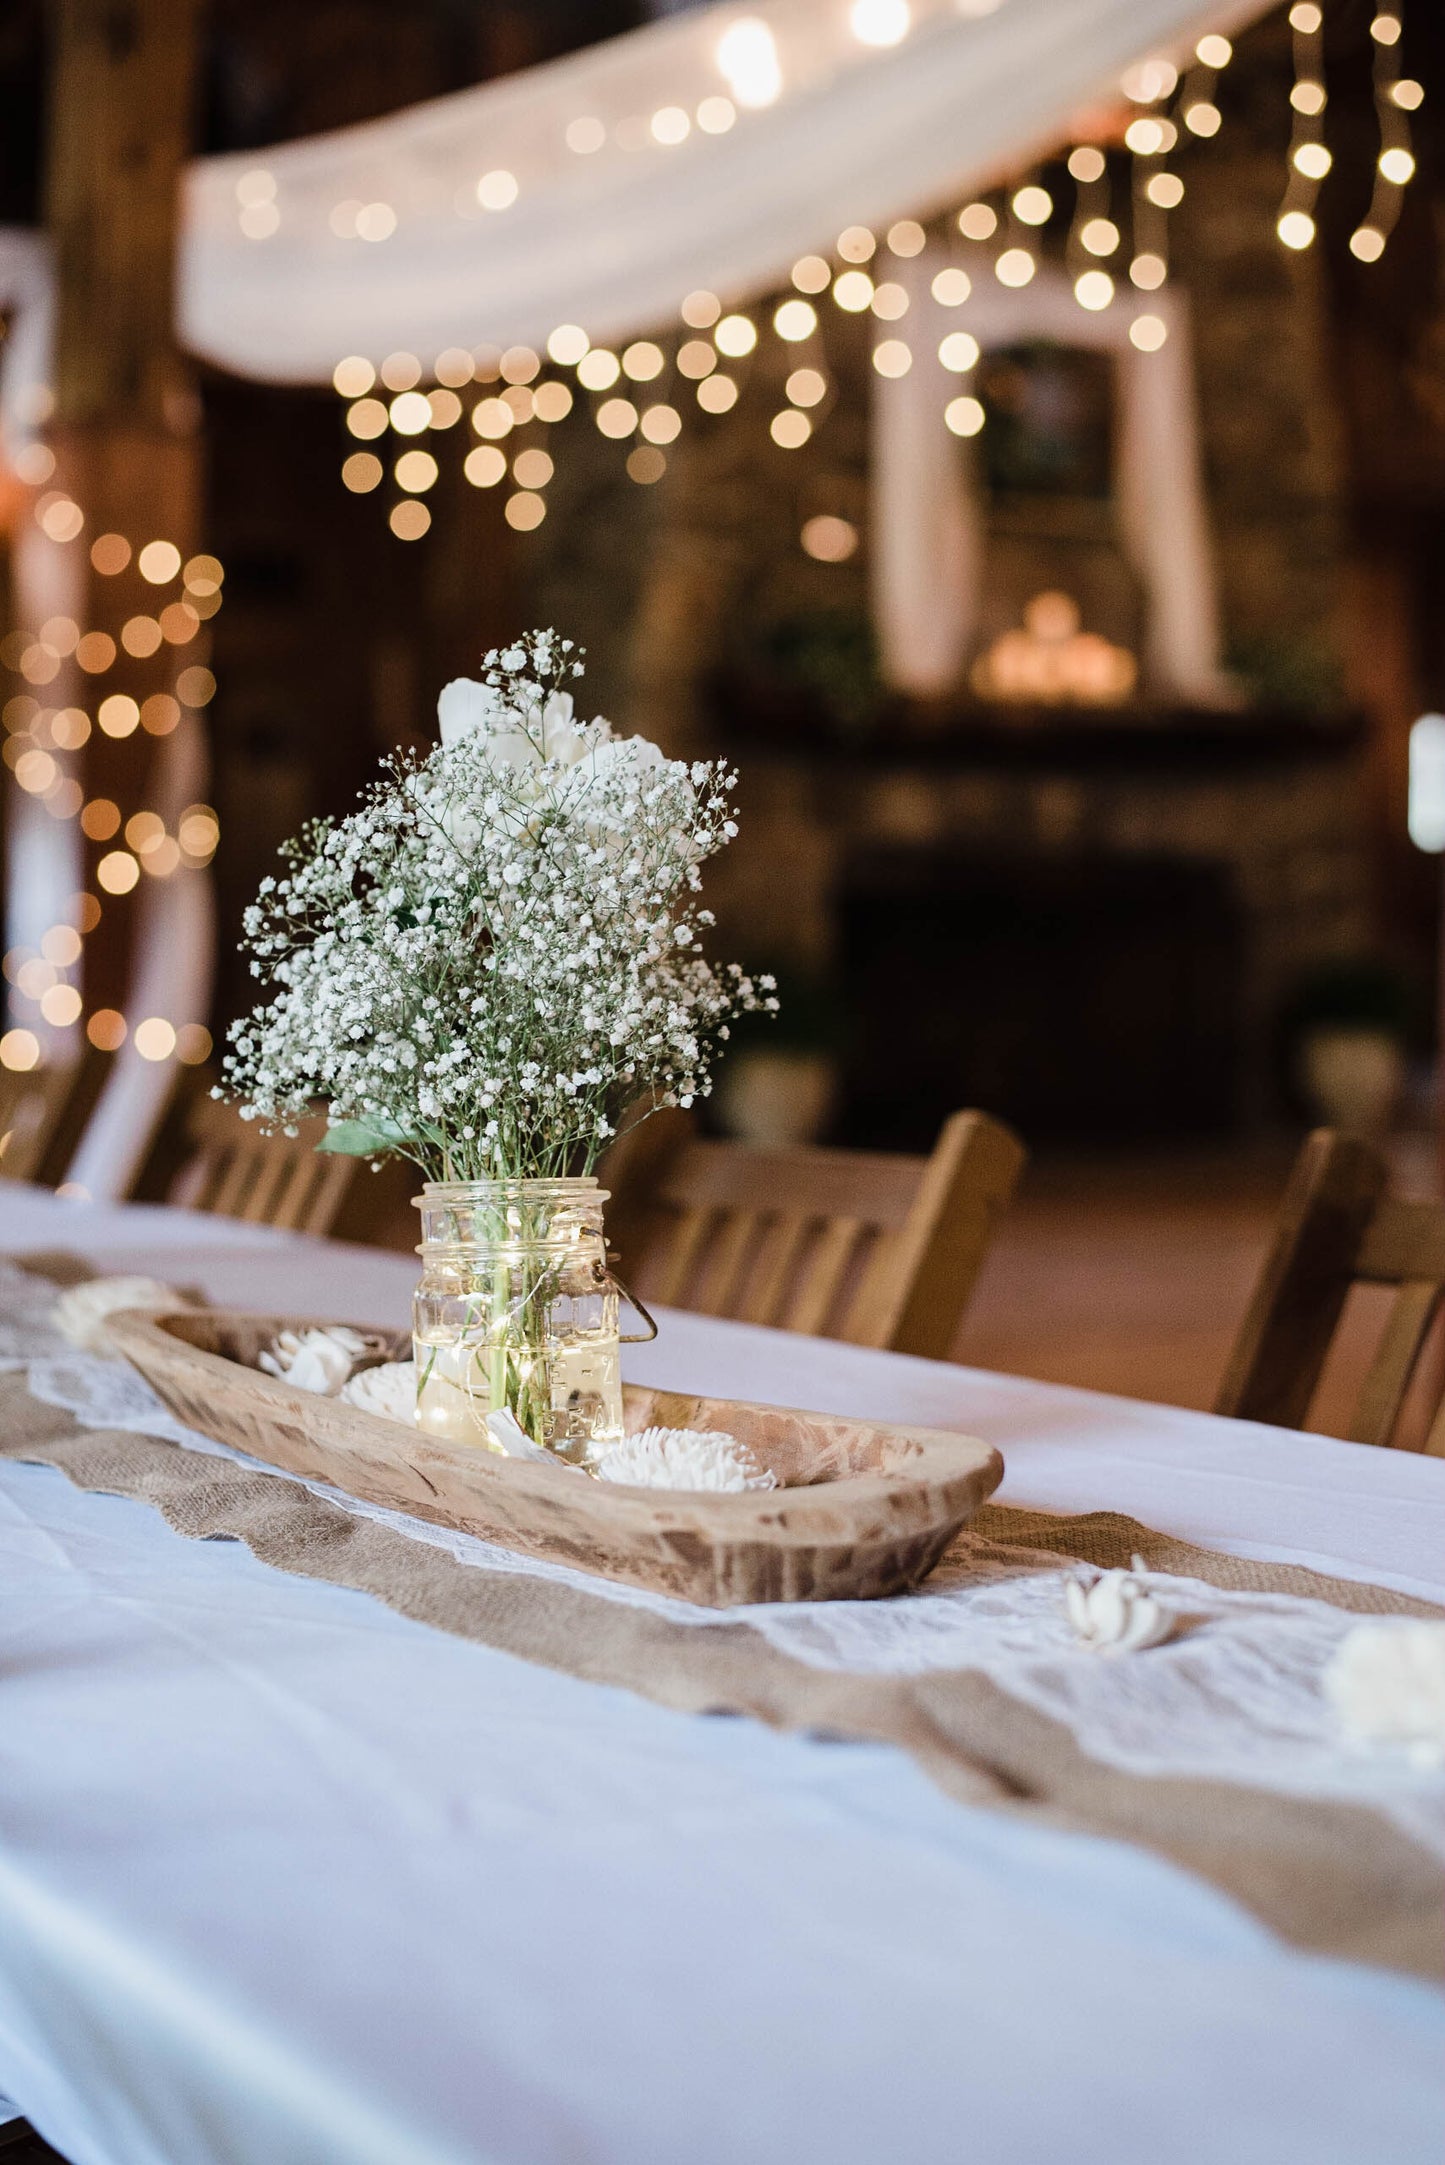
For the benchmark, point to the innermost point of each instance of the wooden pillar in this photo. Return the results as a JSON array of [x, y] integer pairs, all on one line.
[[112, 601], [124, 425]]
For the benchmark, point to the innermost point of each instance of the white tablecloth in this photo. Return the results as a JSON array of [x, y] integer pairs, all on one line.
[[285, 1877]]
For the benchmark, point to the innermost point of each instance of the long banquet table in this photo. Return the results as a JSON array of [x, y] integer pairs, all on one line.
[[285, 1876]]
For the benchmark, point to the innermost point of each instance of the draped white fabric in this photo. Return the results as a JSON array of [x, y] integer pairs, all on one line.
[[929, 522], [614, 239]]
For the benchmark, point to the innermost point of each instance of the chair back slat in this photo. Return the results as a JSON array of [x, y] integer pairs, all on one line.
[[774, 1272], [1338, 1228], [722, 1263], [678, 1259], [1382, 1394], [816, 1293], [868, 1185], [234, 1170], [878, 1249]]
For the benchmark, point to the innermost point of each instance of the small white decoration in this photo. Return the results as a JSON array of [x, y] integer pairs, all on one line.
[[512, 1440], [389, 1391], [80, 1312], [684, 1458], [1387, 1684], [317, 1360], [1115, 1613]]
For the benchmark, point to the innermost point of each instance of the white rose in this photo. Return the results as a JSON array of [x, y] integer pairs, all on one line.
[[464, 707], [514, 737], [529, 738]]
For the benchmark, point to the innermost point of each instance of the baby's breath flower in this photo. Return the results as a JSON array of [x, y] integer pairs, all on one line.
[[496, 956]]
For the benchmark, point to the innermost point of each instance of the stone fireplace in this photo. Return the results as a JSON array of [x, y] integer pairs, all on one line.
[[1086, 926]]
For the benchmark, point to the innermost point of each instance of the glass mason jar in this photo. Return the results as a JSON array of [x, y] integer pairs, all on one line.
[[517, 1309]]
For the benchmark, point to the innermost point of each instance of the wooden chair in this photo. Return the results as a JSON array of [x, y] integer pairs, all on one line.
[[1339, 1228], [878, 1250], [32, 1111], [234, 1170]]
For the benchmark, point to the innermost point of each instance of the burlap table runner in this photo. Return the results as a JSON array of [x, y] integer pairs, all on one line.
[[1334, 1877]]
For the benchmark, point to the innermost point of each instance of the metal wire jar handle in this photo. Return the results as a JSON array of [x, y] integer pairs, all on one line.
[[634, 1338]]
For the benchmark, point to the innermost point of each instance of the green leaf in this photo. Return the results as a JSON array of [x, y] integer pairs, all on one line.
[[363, 1138]]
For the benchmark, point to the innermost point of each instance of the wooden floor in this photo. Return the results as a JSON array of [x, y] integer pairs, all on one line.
[[1133, 1276]]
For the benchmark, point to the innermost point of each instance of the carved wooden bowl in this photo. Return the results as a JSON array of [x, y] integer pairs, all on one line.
[[861, 1509]]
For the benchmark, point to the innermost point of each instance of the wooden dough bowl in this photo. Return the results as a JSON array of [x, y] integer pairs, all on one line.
[[861, 1510]]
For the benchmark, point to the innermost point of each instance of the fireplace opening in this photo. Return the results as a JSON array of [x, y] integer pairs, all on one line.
[[1087, 999]]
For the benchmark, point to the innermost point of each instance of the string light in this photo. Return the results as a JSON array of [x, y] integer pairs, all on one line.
[[852, 291], [532, 469], [415, 471], [795, 320], [737, 335], [747, 55], [829, 539], [1154, 191], [645, 465], [964, 416], [790, 429], [599, 369], [880, 22], [1395, 97], [959, 352], [1309, 160], [1094, 290], [106, 1029], [362, 472], [110, 553], [642, 361], [19, 1051], [1197, 99], [806, 387], [484, 467]]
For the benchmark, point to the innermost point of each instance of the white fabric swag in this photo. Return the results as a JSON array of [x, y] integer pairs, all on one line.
[[830, 131], [928, 529]]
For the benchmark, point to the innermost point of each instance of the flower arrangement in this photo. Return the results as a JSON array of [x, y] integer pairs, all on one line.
[[488, 968], [499, 954]]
